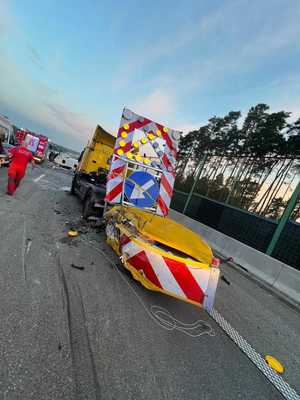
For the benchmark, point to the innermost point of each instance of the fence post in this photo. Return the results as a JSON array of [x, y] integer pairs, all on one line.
[[198, 173], [283, 220]]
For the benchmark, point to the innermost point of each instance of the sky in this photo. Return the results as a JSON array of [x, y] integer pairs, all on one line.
[[66, 66]]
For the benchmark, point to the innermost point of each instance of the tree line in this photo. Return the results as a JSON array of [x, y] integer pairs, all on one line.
[[253, 165]]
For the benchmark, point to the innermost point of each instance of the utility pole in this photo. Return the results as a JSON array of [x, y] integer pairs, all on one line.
[[197, 176], [284, 219]]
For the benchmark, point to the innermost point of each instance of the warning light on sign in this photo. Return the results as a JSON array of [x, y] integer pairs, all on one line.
[[126, 127], [146, 161], [165, 129], [124, 134], [129, 155], [151, 136], [158, 132], [120, 152], [136, 145], [144, 140], [122, 143], [138, 157]]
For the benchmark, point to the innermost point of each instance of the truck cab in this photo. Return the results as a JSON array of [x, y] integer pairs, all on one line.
[[89, 181]]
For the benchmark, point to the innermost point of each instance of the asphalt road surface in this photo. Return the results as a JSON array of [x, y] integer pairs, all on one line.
[[75, 327]]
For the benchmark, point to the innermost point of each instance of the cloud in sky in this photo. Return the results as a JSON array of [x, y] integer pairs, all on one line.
[[35, 57], [205, 59], [161, 106], [5, 18], [158, 104], [37, 102]]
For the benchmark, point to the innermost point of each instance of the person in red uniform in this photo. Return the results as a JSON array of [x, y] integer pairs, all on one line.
[[16, 171]]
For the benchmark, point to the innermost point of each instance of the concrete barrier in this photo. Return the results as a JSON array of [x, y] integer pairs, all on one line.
[[288, 282], [271, 271]]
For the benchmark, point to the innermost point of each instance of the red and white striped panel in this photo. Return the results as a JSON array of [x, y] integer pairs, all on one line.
[[114, 184], [184, 281], [43, 142], [165, 192]]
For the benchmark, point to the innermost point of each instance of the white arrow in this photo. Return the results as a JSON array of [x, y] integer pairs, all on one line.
[[138, 191]]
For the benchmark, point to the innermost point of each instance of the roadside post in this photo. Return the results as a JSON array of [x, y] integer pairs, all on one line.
[[198, 174], [284, 219]]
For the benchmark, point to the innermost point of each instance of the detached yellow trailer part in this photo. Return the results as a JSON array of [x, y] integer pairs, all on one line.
[[163, 255]]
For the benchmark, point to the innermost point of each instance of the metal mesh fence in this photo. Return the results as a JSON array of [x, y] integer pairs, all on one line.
[[287, 249], [248, 228]]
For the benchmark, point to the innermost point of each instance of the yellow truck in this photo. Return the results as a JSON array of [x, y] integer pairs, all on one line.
[[89, 181]]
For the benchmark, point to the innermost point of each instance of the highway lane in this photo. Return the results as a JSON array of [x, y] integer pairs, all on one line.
[[70, 333]]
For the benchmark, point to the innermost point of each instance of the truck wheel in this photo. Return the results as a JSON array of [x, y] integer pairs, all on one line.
[[72, 190], [88, 206]]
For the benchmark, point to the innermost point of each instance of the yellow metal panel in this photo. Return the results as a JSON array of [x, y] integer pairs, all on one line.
[[167, 232], [98, 152]]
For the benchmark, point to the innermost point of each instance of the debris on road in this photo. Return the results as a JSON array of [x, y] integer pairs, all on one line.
[[77, 267], [73, 233], [225, 280]]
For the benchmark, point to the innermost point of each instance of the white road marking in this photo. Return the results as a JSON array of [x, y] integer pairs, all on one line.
[[39, 178], [24, 250]]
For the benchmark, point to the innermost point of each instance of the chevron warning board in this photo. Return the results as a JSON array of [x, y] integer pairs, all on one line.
[[143, 145]]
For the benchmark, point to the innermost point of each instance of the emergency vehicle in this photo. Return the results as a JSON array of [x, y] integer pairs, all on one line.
[[37, 144]]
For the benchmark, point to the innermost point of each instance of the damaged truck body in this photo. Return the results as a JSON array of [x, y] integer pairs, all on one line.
[[129, 180]]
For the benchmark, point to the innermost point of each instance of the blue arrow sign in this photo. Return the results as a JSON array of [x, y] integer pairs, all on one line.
[[141, 189]]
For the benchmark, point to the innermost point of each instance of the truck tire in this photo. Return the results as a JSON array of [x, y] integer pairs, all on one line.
[[73, 185], [87, 207]]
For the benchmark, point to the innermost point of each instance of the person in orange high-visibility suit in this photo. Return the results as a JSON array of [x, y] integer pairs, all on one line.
[[16, 171]]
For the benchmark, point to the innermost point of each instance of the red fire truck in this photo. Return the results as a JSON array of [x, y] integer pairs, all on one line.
[[37, 144]]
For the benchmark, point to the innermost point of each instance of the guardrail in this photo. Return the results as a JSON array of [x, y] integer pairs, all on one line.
[[274, 273]]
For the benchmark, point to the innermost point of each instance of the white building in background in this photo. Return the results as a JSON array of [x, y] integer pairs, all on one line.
[[6, 128]]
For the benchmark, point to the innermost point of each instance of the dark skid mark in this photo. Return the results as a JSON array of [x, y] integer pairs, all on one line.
[[84, 369], [69, 241], [77, 266], [28, 245]]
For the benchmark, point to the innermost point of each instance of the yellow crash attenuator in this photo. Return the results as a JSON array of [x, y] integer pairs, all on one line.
[[274, 364]]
